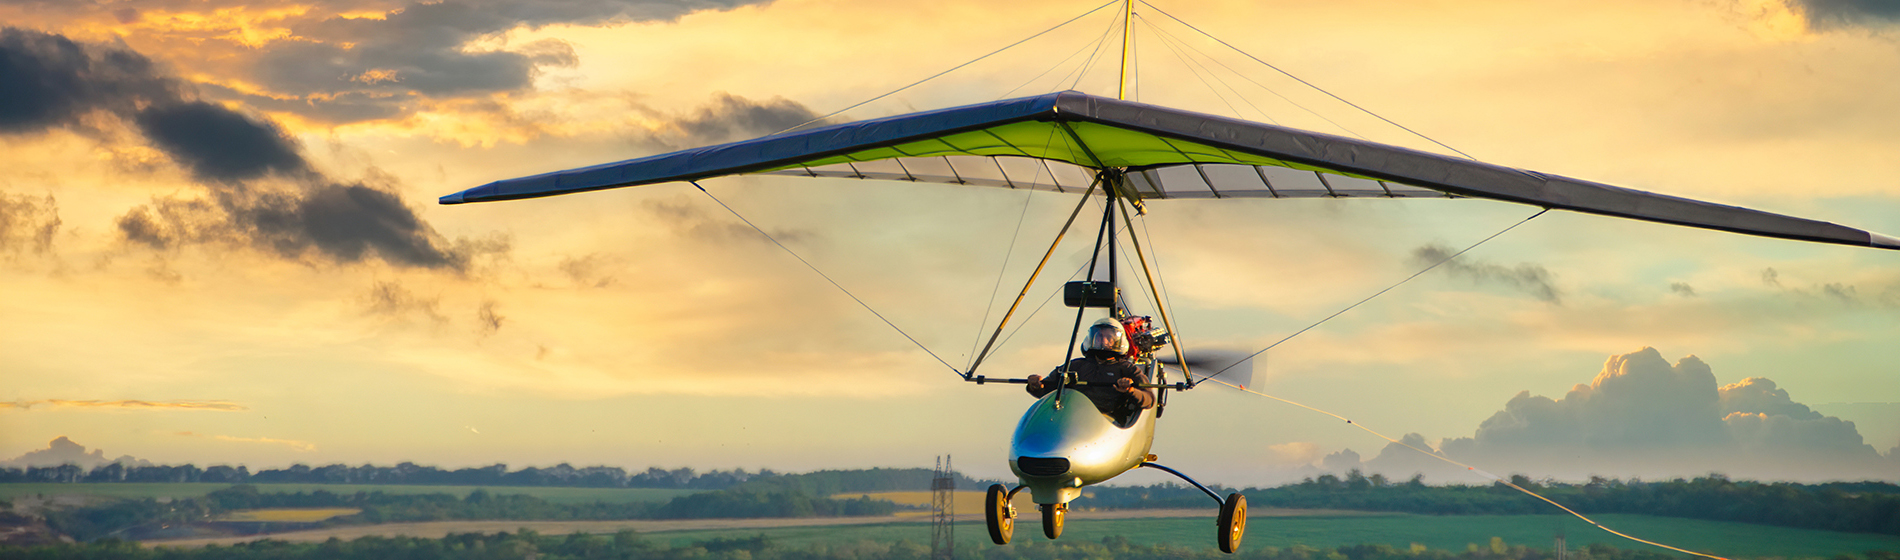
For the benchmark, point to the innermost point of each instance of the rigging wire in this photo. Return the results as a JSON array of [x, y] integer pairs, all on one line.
[[1045, 303], [1001, 271], [1134, 267], [1302, 81], [827, 277], [1379, 293], [1257, 84], [1093, 57], [952, 69], [1134, 53], [1476, 470], [1038, 309], [1052, 68], [1194, 69], [1181, 48], [1032, 278], [991, 305], [1161, 281]]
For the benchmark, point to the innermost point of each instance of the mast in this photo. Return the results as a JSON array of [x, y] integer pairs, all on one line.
[[1111, 187]]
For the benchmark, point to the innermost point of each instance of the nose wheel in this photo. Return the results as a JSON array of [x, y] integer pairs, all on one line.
[[1233, 522], [999, 514], [1052, 515]]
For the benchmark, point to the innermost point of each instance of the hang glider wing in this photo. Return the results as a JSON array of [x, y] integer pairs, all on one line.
[[1056, 142]]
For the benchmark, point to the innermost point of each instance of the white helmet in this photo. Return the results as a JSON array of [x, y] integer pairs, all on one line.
[[1105, 336]]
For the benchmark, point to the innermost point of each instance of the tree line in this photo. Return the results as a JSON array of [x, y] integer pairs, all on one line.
[[139, 518], [1858, 507], [404, 473], [628, 545], [818, 483]]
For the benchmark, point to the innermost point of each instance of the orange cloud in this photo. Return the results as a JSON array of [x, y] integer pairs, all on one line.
[[298, 445], [127, 404]]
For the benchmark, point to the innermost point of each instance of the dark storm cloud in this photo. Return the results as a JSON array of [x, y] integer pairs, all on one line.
[[49, 81], [28, 223], [1531, 279], [219, 144], [1682, 289], [1831, 14], [167, 223], [347, 222], [343, 223]]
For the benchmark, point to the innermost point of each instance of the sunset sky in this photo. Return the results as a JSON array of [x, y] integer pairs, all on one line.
[[219, 241]]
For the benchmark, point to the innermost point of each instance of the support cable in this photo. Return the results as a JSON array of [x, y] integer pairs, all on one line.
[[834, 283], [1379, 293], [1308, 84], [952, 69]]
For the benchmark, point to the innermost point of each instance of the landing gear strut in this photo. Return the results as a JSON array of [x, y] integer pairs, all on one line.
[[999, 514], [1233, 512]]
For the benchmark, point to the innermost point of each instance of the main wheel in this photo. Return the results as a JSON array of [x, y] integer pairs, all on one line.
[[1233, 522], [1052, 515], [997, 514]]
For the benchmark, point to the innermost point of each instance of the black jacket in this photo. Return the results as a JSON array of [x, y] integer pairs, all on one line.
[[1105, 397]]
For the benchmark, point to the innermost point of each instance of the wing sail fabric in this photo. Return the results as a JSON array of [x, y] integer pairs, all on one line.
[[1056, 142]]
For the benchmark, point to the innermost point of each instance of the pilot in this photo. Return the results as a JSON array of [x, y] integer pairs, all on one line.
[[1105, 360]]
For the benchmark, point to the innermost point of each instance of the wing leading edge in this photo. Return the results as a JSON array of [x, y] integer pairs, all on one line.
[[1056, 141]]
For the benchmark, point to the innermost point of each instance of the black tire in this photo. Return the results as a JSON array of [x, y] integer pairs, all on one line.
[[1052, 515], [1233, 522], [996, 514]]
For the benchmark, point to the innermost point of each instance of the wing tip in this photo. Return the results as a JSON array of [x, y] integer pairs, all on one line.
[[1882, 241]]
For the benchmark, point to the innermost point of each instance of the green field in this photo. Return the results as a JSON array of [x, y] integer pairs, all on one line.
[[1734, 540], [559, 495]]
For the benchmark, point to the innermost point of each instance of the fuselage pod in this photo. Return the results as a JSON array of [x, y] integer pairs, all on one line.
[[1059, 448]]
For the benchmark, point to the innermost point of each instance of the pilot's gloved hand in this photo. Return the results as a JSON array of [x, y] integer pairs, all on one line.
[[1124, 385], [1035, 382]]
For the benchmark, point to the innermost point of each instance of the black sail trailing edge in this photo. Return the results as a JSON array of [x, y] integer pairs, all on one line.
[[1058, 142]]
